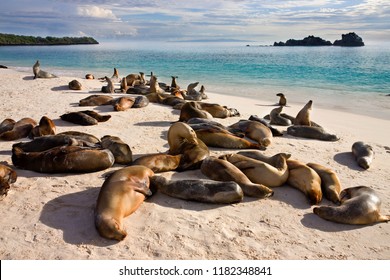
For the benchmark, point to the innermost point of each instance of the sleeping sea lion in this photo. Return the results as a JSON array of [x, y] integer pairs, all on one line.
[[8, 176], [159, 162], [75, 85], [86, 138], [123, 103], [6, 125], [140, 102], [121, 151], [311, 132], [275, 132], [363, 153], [96, 100], [79, 118], [43, 143], [218, 111], [255, 131], [45, 127], [192, 109], [21, 129]]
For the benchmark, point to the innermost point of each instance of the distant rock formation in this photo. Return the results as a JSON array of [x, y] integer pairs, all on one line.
[[349, 40]]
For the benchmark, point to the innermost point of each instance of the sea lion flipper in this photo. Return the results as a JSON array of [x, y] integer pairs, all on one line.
[[141, 188]]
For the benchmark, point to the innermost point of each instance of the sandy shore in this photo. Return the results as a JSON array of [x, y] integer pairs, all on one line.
[[50, 216]]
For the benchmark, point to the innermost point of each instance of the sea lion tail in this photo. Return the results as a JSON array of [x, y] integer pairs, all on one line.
[[384, 218]]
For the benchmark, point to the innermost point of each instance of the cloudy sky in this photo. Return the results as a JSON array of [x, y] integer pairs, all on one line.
[[262, 21]]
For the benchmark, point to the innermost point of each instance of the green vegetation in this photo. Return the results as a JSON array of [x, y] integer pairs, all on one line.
[[17, 40]]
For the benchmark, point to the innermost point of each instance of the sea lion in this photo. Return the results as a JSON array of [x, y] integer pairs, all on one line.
[[121, 151], [255, 154], [43, 143], [140, 102], [38, 73], [222, 170], [86, 138], [275, 132], [89, 77], [79, 118], [63, 159], [303, 116], [96, 100], [282, 99], [45, 127], [192, 109], [135, 79], [75, 85], [123, 103], [305, 179], [330, 183], [109, 88], [6, 125], [199, 190], [260, 172], [277, 119], [124, 86], [202, 92], [174, 85], [155, 86], [159, 162], [141, 89], [115, 77], [218, 111], [363, 153], [255, 131], [96, 115], [359, 206], [8, 176], [21, 129], [120, 195], [311, 132]]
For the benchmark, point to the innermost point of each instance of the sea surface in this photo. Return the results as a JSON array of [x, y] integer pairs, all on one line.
[[356, 80]]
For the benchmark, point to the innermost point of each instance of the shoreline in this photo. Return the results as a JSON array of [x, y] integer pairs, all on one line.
[[45, 212]]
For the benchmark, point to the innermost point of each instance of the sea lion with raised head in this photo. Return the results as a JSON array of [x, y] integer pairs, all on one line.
[[46, 126], [199, 190], [282, 99], [305, 179], [222, 170], [363, 153], [75, 85], [155, 86], [8, 176], [115, 77], [255, 131], [135, 79], [202, 92], [120, 195], [330, 182], [21, 129], [121, 151], [359, 206], [303, 116], [159, 162], [277, 119], [109, 88], [96, 100], [38, 73], [311, 132]]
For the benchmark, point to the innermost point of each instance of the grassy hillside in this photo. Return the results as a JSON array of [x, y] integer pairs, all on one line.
[[11, 39]]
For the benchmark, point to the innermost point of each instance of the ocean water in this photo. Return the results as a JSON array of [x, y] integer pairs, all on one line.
[[350, 79]]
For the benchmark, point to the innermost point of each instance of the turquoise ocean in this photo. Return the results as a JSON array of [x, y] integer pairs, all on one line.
[[347, 79]]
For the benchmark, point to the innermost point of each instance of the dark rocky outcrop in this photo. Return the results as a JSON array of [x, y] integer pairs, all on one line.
[[307, 41], [349, 40]]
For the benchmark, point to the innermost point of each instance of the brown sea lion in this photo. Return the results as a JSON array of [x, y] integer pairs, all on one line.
[[277, 119], [79, 118], [330, 183], [96, 115], [82, 137], [124, 86], [159, 162], [21, 129], [135, 79], [121, 151], [282, 99], [202, 92], [123, 103], [303, 116], [275, 132], [63, 159], [260, 172], [38, 73], [363, 153], [8, 176], [43, 143], [255, 154], [115, 77], [218, 111], [359, 206], [155, 86], [311, 132], [305, 179], [45, 127], [222, 170], [89, 77], [255, 131], [6, 125], [75, 85], [174, 85], [120, 195], [199, 190], [109, 88], [96, 100], [192, 109]]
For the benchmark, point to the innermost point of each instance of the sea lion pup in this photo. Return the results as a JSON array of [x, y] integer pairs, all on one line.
[[255, 131], [277, 119], [363, 153], [359, 206], [192, 93], [123, 103], [21, 129], [305, 179], [159, 162], [303, 116], [109, 88], [6, 125], [182, 140], [38, 73], [89, 77], [75, 85], [282, 99], [96, 100], [87, 139], [218, 111], [45, 127], [192, 109], [199, 190], [260, 172], [120, 195], [8, 176], [43, 143], [311, 132], [121, 151], [79, 118], [222, 170], [135, 79], [275, 132], [330, 182], [63, 159], [202, 92]]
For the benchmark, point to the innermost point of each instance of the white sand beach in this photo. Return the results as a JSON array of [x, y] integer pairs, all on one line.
[[51, 216]]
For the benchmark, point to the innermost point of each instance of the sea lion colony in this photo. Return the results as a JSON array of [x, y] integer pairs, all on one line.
[[232, 175]]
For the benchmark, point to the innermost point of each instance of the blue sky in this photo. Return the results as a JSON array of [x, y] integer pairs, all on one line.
[[178, 20]]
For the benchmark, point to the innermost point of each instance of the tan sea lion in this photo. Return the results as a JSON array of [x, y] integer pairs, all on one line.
[[174, 85], [75, 85], [135, 79], [89, 77], [121, 151], [275, 132], [218, 111], [38, 73], [46, 126], [311, 132], [199, 190], [109, 88], [305, 179], [123, 103], [255, 154], [359, 206], [115, 77], [96, 100], [192, 93], [8, 176], [277, 119], [363, 153], [21, 129], [282, 99], [255, 131], [303, 116], [159, 162], [330, 183], [63, 159], [124, 86], [202, 92], [222, 170], [155, 86], [120, 195], [192, 109], [260, 172], [79, 118]]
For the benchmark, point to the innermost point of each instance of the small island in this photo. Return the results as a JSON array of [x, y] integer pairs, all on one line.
[[21, 40], [347, 40]]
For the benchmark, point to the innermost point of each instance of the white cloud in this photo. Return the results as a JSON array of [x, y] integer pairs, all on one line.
[[95, 12]]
